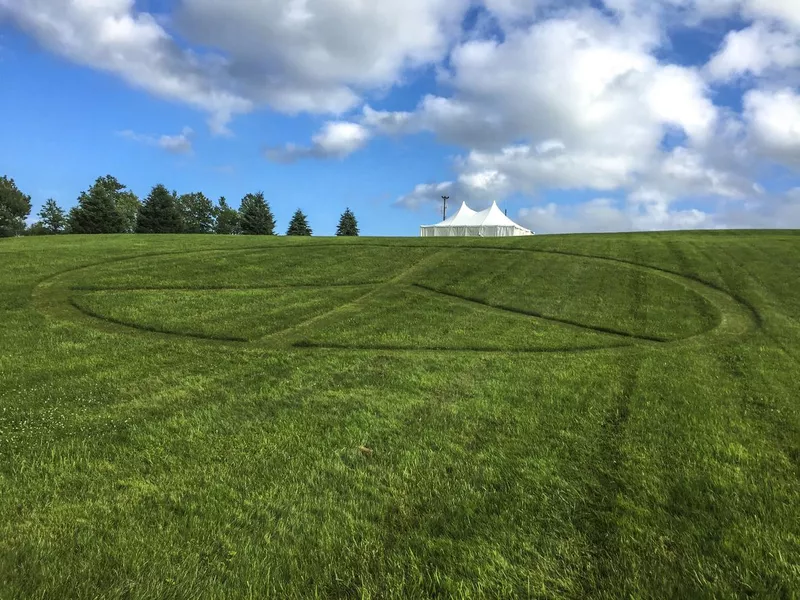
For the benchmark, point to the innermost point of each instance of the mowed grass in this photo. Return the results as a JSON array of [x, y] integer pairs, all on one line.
[[226, 314], [412, 318], [584, 291], [252, 268], [399, 422]]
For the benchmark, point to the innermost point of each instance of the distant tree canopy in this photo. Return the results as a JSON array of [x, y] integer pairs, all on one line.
[[347, 224], [97, 210], [159, 213], [52, 218], [299, 224], [197, 212], [14, 208], [256, 217], [109, 207], [227, 218]]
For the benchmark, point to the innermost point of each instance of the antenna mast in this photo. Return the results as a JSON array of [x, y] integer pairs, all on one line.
[[444, 206]]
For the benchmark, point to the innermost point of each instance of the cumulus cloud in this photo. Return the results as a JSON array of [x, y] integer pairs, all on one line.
[[180, 143], [694, 12], [773, 118], [755, 50], [336, 139], [595, 106], [425, 193], [111, 36], [779, 211], [606, 215], [585, 81], [291, 55]]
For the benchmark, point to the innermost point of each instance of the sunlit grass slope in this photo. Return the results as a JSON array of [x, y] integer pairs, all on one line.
[[555, 417]]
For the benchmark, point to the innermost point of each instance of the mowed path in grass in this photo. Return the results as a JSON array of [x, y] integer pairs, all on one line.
[[562, 416]]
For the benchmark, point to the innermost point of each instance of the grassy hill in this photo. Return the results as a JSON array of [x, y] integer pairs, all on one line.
[[560, 416]]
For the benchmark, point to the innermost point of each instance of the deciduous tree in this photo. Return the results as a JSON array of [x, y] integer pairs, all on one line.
[[128, 205], [14, 208], [227, 218], [198, 213]]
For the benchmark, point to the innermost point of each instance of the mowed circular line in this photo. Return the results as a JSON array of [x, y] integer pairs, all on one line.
[[735, 317]]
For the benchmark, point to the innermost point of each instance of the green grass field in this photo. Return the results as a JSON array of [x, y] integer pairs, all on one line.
[[609, 416]]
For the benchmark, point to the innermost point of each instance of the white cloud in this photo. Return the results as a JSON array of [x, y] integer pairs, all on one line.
[[658, 179], [604, 215], [584, 82], [319, 55], [694, 12], [111, 37], [593, 105], [678, 96], [782, 11], [552, 165], [781, 212], [756, 50], [688, 172], [336, 139], [293, 55], [180, 143], [512, 12], [773, 119], [425, 193]]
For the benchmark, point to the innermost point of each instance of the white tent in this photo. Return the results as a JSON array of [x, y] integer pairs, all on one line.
[[486, 223]]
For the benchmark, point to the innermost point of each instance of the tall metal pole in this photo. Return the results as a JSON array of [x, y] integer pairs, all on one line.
[[444, 206]]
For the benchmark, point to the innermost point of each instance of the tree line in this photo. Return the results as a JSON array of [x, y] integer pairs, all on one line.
[[109, 207]]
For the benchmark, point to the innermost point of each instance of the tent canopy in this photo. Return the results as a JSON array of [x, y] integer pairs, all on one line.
[[467, 222]]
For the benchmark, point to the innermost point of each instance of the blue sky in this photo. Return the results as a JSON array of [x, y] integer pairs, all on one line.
[[664, 117]]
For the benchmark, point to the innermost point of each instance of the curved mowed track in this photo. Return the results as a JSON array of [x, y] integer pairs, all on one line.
[[268, 285]]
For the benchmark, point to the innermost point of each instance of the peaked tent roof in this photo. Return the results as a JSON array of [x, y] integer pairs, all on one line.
[[460, 217], [490, 217], [493, 216]]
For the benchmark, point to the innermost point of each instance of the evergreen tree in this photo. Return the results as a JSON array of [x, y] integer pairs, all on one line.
[[159, 213], [72, 216], [299, 224], [52, 217], [227, 218], [14, 208], [97, 208], [256, 218], [198, 213], [347, 224]]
